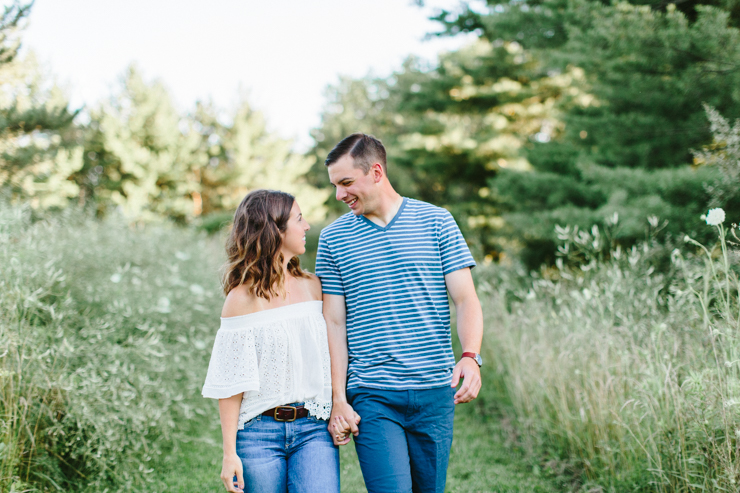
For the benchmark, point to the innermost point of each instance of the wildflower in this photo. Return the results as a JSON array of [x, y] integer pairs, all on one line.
[[163, 305], [715, 217]]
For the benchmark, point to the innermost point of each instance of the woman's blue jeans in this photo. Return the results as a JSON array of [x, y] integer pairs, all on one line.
[[296, 457]]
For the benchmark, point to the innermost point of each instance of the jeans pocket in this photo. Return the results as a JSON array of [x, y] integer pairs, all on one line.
[[251, 422]]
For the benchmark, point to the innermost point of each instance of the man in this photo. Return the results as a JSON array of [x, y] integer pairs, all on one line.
[[386, 268]]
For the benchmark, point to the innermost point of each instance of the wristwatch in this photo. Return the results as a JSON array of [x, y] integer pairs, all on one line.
[[475, 356]]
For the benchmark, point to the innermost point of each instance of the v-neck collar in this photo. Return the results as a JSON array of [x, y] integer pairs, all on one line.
[[390, 224]]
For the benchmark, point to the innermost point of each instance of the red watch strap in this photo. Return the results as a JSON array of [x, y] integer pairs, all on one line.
[[468, 355]]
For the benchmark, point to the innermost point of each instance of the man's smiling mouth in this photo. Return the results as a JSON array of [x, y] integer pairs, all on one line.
[[352, 202]]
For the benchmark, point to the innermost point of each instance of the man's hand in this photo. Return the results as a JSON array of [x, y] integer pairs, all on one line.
[[468, 370], [343, 422]]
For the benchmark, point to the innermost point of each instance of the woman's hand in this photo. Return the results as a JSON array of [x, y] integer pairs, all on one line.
[[232, 466], [341, 430]]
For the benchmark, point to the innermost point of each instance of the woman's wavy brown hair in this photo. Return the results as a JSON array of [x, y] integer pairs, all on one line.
[[253, 255]]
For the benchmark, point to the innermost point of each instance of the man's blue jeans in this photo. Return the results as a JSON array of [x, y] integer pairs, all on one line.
[[294, 457], [405, 438]]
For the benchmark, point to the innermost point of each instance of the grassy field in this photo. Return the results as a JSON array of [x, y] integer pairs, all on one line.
[[612, 371], [481, 461]]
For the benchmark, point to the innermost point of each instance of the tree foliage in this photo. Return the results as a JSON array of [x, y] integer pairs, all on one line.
[[452, 127], [145, 157], [563, 111], [38, 148]]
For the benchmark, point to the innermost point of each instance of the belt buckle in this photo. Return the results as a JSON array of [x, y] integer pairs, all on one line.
[[279, 408]]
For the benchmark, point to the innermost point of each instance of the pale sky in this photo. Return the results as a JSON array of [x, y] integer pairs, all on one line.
[[282, 53]]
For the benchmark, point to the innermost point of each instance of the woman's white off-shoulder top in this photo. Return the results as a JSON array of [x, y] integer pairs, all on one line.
[[276, 357]]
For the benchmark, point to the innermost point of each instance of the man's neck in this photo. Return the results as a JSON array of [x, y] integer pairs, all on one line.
[[387, 210]]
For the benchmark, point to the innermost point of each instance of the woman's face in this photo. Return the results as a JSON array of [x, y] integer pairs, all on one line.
[[294, 237]]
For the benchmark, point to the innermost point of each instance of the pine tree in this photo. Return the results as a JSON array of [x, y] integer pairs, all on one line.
[[154, 162], [647, 68], [139, 155], [39, 153], [241, 156], [451, 128]]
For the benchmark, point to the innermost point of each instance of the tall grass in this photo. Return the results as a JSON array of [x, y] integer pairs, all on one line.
[[620, 368], [105, 331], [623, 370]]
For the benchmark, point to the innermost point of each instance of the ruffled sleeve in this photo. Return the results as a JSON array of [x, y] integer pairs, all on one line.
[[234, 364]]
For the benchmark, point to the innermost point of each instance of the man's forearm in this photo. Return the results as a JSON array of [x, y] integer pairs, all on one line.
[[339, 359], [470, 324]]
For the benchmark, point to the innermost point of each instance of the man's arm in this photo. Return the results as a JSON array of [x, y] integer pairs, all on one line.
[[335, 313], [469, 330]]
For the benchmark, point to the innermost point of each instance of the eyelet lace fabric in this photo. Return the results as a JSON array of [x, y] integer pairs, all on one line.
[[275, 357]]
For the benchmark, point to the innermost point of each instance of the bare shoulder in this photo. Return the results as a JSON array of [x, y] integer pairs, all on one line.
[[314, 285], [240, 302]]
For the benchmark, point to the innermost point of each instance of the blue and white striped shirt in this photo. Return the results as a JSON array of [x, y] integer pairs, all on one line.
[[392, 278]]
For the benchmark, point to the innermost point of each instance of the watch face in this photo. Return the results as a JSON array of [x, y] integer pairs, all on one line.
[[479, 360]]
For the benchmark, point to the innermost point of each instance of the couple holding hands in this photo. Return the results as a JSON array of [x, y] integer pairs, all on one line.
[[361, 349]]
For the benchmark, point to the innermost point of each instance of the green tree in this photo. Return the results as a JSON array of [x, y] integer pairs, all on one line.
[[39, 152], [452, 127], [153, 162], [241, 155], [647, 68], [139, 155]]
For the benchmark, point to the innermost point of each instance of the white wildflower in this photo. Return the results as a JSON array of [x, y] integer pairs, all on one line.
[[115, 278], [715, 217], [163, 305]]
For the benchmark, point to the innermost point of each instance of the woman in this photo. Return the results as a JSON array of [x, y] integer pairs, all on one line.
[[270, 365]]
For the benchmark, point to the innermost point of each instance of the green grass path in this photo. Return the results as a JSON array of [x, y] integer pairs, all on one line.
[[480, 461]]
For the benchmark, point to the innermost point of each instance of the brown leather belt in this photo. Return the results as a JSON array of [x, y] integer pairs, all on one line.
[[286, 413]]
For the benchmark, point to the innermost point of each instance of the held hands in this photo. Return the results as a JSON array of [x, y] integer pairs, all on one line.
[[232, 466], [468, 370], [343, 423]]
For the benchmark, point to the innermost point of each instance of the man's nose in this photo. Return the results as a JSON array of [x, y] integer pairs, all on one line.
[[340, 194]]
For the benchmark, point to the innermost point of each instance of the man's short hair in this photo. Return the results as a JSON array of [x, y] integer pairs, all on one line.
[[365, 149]]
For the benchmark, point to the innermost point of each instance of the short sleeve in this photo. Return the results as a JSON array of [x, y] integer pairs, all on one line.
[[453, 250], [327, 270], [234, 365]]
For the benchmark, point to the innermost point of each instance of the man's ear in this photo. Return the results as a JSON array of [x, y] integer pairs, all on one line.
[[377, 171]]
